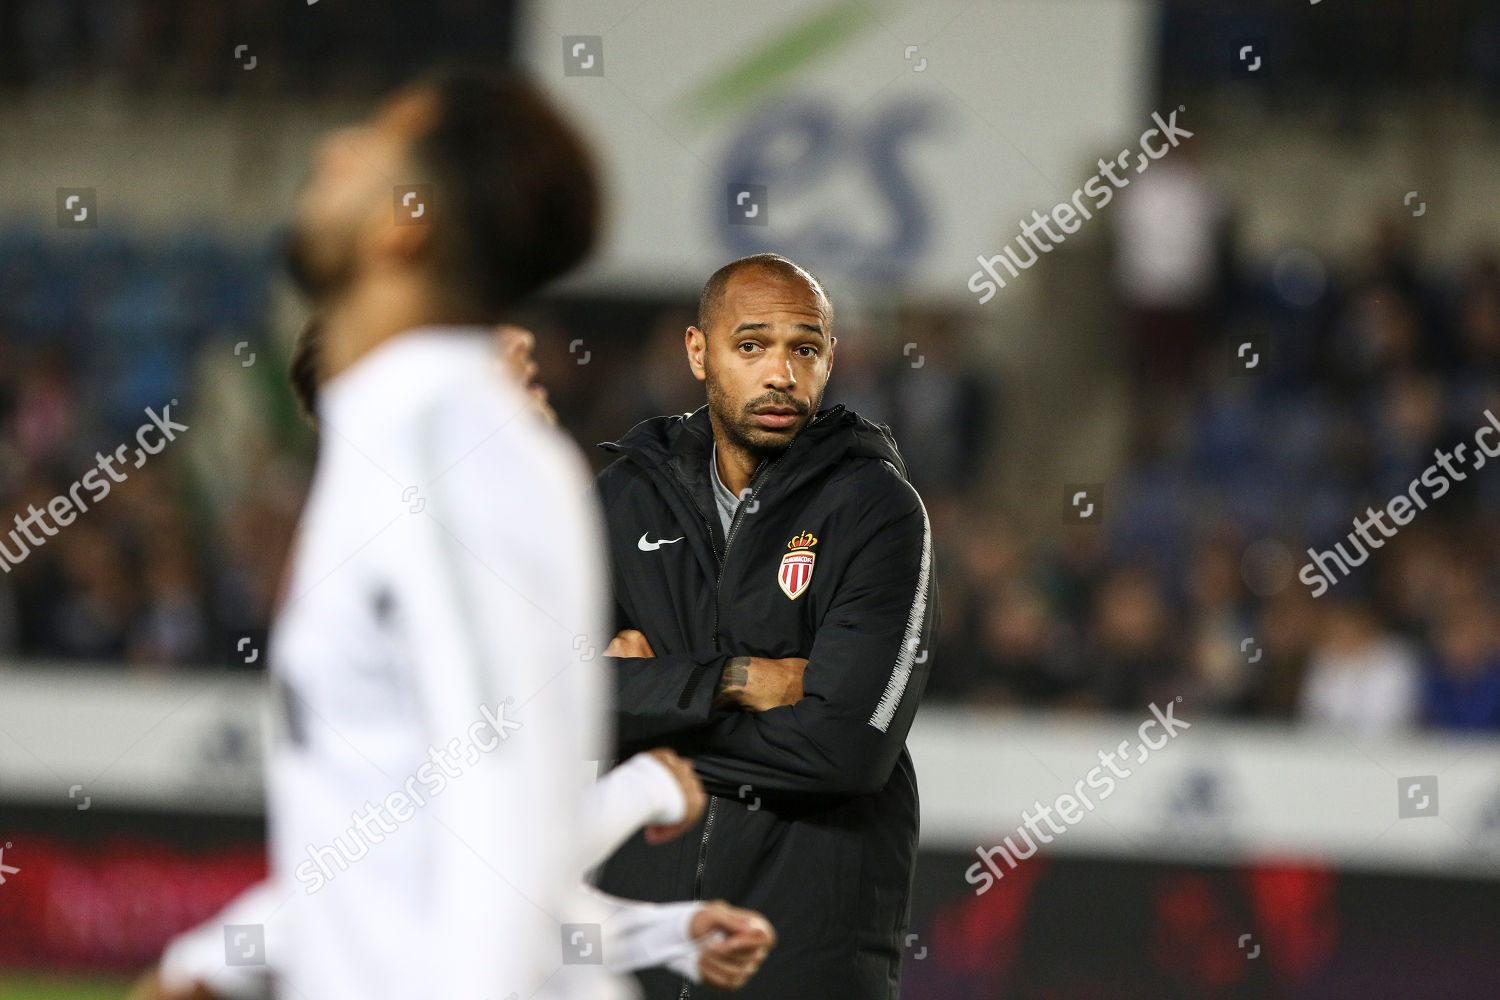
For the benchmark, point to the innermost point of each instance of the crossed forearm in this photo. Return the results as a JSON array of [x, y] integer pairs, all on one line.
[[732, 681]]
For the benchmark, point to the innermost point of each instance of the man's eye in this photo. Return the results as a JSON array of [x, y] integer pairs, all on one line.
[[808, 351], [748, 346]]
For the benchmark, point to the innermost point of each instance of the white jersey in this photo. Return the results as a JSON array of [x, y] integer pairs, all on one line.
[[635, 935], [435, 662]]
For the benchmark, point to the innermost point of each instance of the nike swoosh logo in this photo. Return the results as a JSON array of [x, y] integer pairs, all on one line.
[[646, 546]]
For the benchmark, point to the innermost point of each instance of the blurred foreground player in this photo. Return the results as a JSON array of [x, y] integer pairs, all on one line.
[[514, 345], [423, 659], [774, 584], [712, 943]]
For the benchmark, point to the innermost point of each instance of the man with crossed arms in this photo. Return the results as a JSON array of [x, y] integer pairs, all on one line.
[[775, 593]]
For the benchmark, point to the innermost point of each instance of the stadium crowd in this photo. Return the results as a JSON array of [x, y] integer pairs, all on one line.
[[1188, 587]]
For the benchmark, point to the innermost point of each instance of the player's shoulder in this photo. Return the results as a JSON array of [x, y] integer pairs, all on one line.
[[878, 489], [487, 428], [620, 476], [644, 449], [867, 464]]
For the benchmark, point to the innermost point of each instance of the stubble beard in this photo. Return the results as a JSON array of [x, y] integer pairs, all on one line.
[[737, 426]]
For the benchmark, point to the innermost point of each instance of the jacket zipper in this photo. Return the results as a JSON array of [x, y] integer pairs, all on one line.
[[713, 800], [734, 525], [708, 824]]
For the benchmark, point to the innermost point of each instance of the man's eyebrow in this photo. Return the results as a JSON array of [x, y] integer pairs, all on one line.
[[748, 327]]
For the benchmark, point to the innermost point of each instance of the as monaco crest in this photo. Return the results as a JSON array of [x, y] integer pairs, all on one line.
[[797, 565]]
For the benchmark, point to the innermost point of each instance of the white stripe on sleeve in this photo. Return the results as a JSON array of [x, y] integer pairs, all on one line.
[[901, 672]]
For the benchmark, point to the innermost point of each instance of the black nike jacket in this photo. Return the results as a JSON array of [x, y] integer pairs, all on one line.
[[812, 810]]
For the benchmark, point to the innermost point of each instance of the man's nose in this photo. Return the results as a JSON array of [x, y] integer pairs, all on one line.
[[781, 374]]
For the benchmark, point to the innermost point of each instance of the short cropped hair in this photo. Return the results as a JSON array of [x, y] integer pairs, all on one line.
[[712, 298]]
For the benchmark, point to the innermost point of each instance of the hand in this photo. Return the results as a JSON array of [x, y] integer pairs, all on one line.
[[737, 942], [759, 683], [629, 643], [149, 987], [692, 794], [516, 344]]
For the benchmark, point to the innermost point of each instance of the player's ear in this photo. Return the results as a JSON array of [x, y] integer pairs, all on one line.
[[697, 344], [391, 242], [832, 343]]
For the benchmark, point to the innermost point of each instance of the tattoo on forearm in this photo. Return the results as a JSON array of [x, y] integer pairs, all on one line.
[[736, 674]]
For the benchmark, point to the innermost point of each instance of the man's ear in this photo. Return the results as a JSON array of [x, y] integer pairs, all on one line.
[[832, 343], [697, 345], [393, 245]]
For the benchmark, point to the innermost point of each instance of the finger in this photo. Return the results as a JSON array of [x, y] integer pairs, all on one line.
[[518, 340], [668, 759], [721, 980], [744, 941], [512, 351], [662, 834], [722, 975], [742, 964], [734, 920], [734, 979], [733, 937], [750, 937], [741, 953]]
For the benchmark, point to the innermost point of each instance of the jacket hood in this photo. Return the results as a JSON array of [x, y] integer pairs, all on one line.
[[678, 449], [834, 434]]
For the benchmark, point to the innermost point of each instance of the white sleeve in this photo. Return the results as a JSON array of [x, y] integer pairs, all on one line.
[[501, 575], [643, 935], [201, 955], [640, 792]]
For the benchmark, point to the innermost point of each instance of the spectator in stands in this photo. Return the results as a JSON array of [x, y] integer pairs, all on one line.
[[1360, 677], [656, 382], [1287, 631], [1026, 651], [1474, 379], [1378, 334], [92, 615], [170, 627], [1133, 651], [935, 394], [864, 376], [45, 415], [1220, 667], [1169, 267], [1406, 425], [1461, 687]]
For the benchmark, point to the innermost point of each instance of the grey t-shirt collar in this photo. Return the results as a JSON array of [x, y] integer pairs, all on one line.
[[724, 498]]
